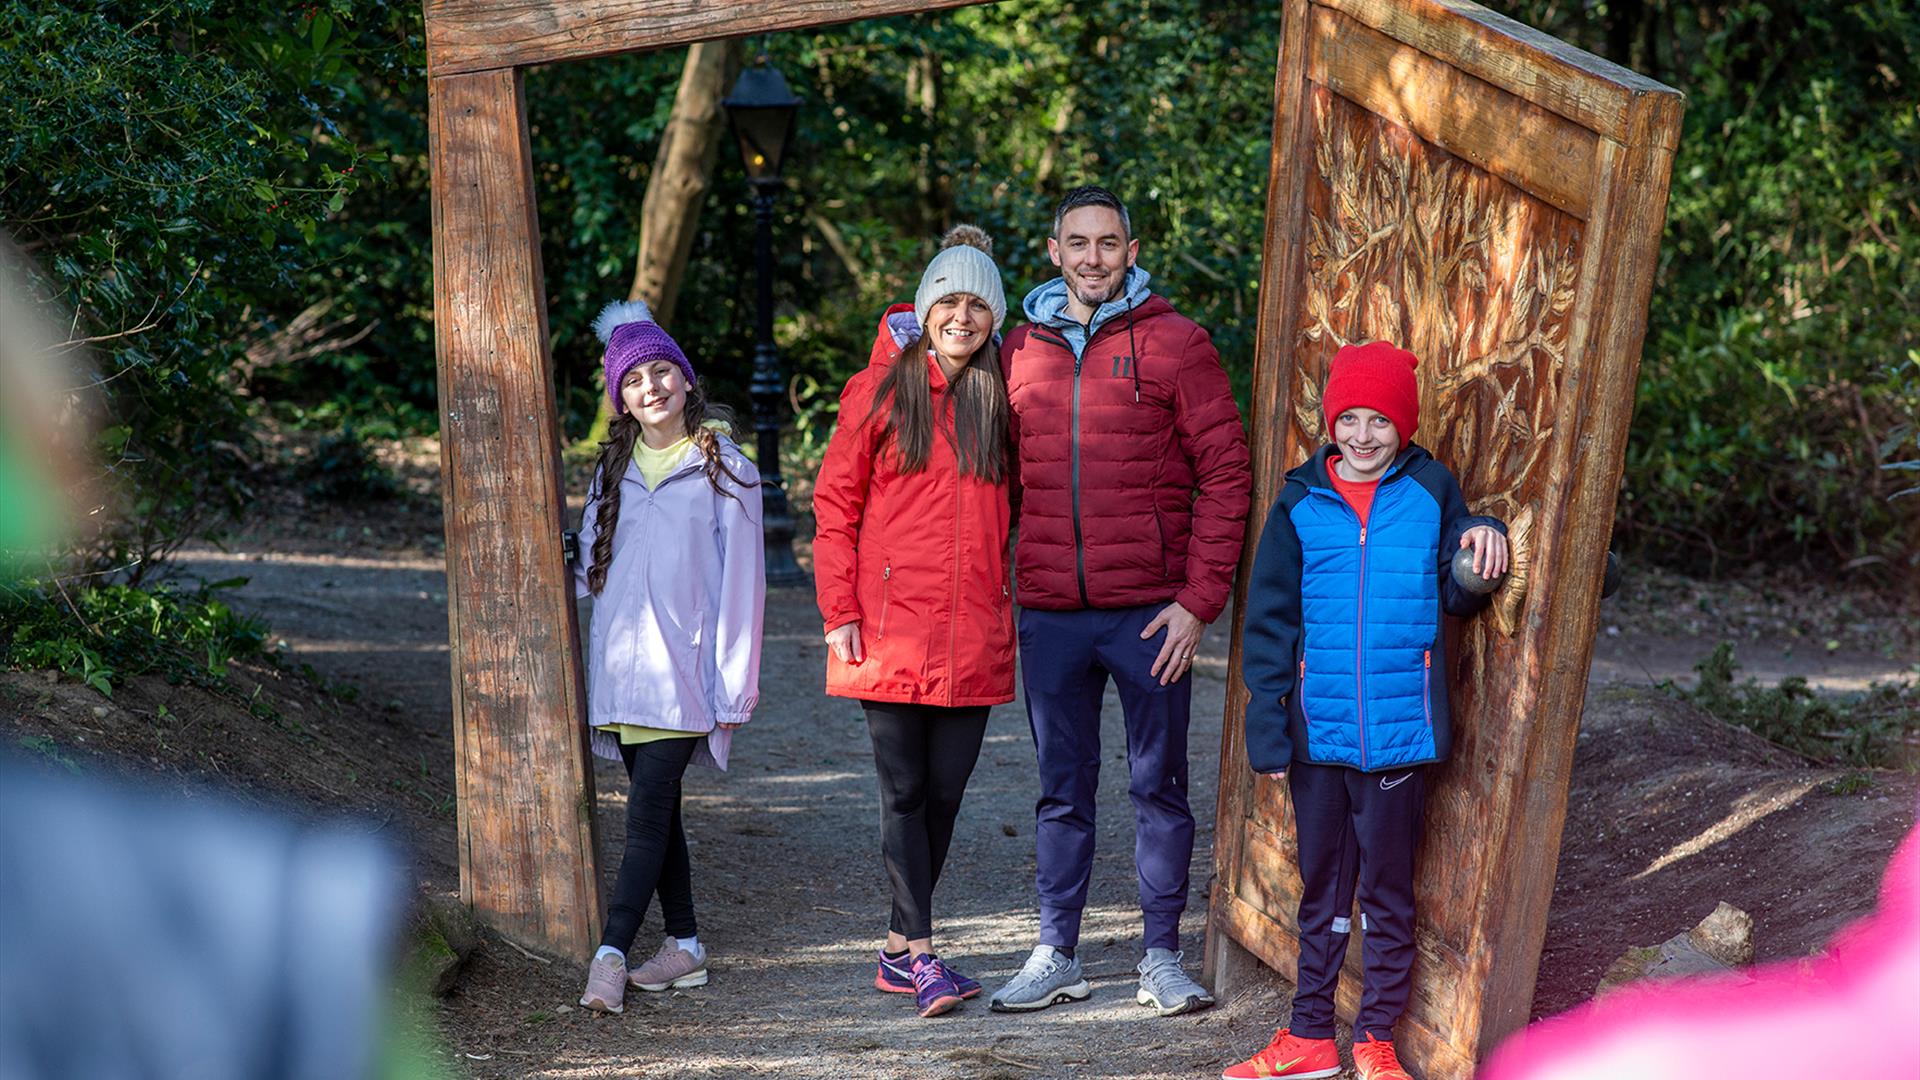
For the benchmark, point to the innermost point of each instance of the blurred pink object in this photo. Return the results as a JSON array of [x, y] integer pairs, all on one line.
[[1853, 1011]]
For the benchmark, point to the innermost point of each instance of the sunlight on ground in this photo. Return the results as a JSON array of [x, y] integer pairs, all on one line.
[[331, 562], [1747, 809]]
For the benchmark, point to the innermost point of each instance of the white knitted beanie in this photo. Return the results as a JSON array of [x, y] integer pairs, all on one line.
[[964, 265]]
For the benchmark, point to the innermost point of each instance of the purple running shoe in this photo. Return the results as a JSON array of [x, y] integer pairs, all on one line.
[[933, 989], [895, 976]]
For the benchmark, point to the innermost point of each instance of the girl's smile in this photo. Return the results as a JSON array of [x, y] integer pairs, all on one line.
[[656, 394]]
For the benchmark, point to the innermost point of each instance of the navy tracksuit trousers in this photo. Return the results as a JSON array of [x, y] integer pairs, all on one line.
[[1355, 828], [1066, 658]]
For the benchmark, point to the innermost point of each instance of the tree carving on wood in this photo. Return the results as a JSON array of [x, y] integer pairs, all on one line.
[[1474, 276]]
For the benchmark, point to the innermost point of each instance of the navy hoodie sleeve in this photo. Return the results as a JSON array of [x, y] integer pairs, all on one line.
[[1270, 639], [1455, 600]]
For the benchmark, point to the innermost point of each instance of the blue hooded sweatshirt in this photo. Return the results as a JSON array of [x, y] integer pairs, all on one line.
[[1047, 306]]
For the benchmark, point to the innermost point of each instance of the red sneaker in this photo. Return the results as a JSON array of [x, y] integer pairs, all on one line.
[[1288, 1055], [1376, 1060]]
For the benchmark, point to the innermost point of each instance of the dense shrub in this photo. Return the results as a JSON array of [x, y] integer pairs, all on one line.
[[168, 172]]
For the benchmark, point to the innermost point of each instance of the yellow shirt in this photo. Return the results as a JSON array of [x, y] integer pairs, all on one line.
[[656, 464]]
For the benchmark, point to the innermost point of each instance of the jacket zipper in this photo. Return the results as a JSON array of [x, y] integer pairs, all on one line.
[[1359, 668], [1426, 687], [886, 576], [1079, 539], [953, 666]]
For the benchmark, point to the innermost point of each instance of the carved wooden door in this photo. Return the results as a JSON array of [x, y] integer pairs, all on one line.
[[1491, 199]]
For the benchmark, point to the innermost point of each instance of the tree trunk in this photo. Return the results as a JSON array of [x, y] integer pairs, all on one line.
[[682, 171]]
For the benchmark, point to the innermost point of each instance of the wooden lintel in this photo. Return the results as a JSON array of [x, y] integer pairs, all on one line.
[[483, 35]]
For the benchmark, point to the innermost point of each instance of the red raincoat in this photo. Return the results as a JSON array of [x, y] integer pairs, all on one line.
[[918, 560]]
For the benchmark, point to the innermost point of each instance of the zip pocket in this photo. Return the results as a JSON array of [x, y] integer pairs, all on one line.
[[886, 586], [1426, 686]]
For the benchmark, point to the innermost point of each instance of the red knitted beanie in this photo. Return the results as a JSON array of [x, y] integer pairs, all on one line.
[[1377, 376]]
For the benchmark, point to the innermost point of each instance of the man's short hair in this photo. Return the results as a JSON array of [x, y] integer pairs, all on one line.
[[1091, 195]]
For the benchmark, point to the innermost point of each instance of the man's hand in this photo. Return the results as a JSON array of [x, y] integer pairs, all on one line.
[[1183, 637], [845, 643], [1489, 550]]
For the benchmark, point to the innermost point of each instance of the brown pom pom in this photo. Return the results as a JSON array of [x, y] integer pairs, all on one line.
[[971, 235]]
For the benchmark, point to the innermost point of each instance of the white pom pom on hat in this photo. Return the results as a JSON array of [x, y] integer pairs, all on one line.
[[618, 313]]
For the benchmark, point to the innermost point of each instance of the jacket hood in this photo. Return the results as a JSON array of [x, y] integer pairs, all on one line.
[[1047, 304], [1312, 472]]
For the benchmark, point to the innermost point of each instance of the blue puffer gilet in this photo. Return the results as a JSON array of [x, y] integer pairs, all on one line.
[[1343, 647]]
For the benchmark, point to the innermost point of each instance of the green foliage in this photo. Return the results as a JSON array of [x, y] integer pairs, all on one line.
[[1780, 384], [103, 635], [170, 172], [1877, 728]]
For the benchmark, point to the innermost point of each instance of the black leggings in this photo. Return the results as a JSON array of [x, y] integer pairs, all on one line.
[[924, 755], [655, 861]]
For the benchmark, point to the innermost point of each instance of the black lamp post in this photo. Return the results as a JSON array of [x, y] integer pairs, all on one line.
[[761, 111]]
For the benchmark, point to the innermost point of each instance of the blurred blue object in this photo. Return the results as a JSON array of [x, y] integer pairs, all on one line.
[[158, 935]]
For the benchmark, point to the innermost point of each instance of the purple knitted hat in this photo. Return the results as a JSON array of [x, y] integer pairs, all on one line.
[[632, 337]]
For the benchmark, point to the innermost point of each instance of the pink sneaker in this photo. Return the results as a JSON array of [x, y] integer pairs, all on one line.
[[671, 968], [606, 984]]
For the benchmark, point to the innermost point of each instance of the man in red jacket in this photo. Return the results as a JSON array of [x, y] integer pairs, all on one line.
[[1133, 483]]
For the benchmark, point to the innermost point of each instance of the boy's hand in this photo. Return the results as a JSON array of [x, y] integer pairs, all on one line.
[[1489, 550], [1183, 637], [1281, 775], [845, 643]]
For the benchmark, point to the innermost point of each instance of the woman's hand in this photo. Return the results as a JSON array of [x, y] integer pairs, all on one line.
[[1489, 550], [845, 643]]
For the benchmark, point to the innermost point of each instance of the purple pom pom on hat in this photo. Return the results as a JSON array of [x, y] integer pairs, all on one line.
[[633, 338]]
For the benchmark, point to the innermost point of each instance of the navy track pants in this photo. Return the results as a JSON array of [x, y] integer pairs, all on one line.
[[1355, 829], [1066, 658]]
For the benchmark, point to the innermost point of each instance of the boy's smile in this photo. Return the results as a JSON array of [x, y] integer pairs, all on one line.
[[1368, 443]]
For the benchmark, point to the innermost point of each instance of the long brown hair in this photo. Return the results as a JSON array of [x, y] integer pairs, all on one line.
[[617, 450], [976, 398]]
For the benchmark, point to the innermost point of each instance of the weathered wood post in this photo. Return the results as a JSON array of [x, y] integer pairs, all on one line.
[[1491, 199], [520, 753]]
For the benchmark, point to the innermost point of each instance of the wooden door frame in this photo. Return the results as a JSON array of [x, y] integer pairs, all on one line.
[[522, 764]]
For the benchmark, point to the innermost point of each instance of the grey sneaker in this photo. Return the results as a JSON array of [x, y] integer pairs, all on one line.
[[1166, 986], [1047, 978], [606, 984], [671, 968]]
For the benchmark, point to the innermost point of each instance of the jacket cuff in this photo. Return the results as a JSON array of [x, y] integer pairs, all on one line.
[[721, 716], [837, 621], [1206, 612]]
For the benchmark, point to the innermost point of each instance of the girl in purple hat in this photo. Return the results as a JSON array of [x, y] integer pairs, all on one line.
[[672, 555]]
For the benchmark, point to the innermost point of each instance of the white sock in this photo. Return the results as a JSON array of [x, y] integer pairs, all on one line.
[[692, 945], [608, 949]]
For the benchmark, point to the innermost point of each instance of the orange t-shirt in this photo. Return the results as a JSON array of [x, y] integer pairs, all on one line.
[[1358, 495]]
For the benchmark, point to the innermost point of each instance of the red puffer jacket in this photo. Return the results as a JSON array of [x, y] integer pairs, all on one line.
[[1133, 474], [919, 560]]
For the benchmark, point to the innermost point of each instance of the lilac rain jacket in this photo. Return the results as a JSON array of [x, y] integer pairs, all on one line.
[[676, 628]]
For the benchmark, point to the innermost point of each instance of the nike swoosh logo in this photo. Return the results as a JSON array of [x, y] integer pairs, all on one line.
[[1280, 1069], [1389, 785]]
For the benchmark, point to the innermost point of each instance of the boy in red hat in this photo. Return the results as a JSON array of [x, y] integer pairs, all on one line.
[[1343, 651]]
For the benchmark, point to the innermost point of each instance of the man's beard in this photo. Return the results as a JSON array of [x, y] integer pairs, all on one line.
[[1117, 285]]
